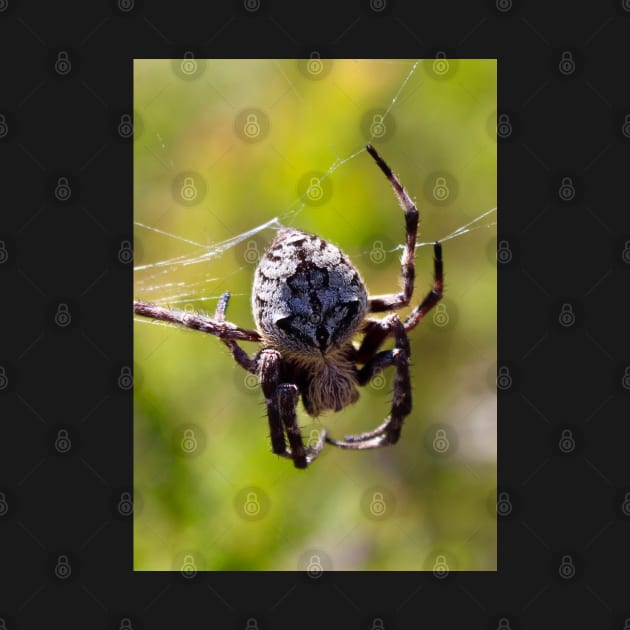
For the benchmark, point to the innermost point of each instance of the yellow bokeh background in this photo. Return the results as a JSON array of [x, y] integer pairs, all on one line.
[[190, 507]]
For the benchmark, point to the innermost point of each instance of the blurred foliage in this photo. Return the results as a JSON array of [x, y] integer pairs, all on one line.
[[441, 124]]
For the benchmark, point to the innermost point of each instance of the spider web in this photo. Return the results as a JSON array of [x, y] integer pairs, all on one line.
[[190, 279]]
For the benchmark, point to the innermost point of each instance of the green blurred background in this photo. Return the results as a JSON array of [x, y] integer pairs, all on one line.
[[245, 138]]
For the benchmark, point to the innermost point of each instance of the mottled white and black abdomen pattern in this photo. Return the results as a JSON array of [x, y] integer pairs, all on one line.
[[307, 296]]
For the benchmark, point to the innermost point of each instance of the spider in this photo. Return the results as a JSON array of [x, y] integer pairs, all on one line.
[[308, 302]]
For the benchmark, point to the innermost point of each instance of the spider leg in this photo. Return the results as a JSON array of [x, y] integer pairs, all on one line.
[[395, 301], [196, 321], [238, 354], [389, 431], [434, 295], [269, 374], [282, 399], [376, 333]]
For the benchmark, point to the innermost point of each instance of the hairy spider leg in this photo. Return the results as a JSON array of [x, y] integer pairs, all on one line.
[[196, 321], [394, 301], [281, 400], [376, 333], [389, 431]]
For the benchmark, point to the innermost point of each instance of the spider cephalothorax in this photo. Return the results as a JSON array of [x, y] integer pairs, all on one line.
[[308, 303]]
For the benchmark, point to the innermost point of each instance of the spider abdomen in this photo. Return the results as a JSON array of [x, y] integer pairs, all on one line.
[[307, 296]]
